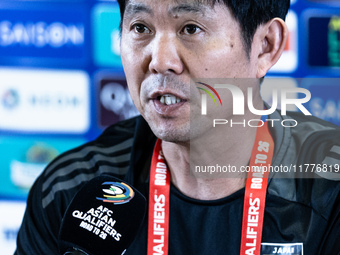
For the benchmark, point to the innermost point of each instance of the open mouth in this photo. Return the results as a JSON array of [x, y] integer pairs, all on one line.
[[167, 104], [169, 99]]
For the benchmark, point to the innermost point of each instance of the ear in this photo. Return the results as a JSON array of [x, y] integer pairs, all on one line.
[[270, 40]]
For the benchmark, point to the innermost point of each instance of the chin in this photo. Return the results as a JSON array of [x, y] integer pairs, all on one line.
[[172, 134]]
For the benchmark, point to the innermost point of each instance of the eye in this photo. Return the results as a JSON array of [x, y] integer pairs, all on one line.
[[141, 29], [191, 29]]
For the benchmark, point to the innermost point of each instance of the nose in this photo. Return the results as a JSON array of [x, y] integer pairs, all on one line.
[[165, 57]]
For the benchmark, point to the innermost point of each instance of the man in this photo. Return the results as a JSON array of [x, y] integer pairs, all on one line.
[[165, 45]]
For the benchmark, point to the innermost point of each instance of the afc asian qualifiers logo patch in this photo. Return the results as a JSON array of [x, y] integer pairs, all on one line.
[[282, 248], [116, 192]]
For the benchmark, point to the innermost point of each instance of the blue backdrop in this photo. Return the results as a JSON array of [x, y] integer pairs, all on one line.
[[62, 82]]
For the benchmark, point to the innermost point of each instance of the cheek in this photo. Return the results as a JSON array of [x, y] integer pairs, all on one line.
[[134, 62], [218, 61], [224, 57], [127, 59], [136, 101], [132, 73], [133, 89]]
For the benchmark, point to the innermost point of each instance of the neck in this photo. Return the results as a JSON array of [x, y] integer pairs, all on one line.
[[226, 146]]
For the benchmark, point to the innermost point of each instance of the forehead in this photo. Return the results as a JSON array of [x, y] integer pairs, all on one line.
[[172, 7]]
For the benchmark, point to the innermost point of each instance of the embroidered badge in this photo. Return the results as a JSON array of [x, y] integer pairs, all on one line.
[[282, 248]]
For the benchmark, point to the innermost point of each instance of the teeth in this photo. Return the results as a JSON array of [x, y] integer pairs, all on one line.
[[173, 100], [169, 99]]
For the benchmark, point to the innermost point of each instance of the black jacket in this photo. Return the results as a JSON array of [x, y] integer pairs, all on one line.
[[303, 213]]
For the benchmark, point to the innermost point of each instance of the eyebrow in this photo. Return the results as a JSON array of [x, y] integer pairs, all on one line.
[[134, 8], [194, 7]]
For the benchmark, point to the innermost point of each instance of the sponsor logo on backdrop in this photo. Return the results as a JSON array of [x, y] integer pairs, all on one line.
[[26, 157], [43, 33], [323, 38], [40, 34], [106, 20], [24, 172], [325, 103], [44, 101], [10, 99], [115, 101], [334, 41], [11, 214]]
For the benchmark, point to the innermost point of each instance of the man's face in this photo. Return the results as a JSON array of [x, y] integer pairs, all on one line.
[[167, 43]]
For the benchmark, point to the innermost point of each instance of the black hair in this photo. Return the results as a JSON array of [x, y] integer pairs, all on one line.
[[249, 13]]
